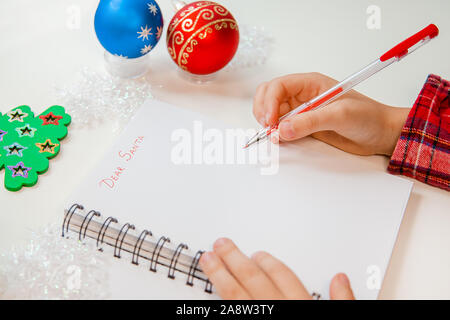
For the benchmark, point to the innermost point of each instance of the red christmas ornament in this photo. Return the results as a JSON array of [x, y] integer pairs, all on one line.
[[202, 37]]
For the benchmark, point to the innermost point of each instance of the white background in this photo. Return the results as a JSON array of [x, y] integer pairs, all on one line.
[[38, 51]]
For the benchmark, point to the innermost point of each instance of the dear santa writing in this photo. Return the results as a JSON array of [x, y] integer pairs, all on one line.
[[124, 156]]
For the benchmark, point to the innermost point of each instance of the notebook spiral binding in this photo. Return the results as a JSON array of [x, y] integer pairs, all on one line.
[[142, 246]]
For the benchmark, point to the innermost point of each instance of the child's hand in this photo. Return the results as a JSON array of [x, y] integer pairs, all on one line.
[[263, 277], [353, 123]]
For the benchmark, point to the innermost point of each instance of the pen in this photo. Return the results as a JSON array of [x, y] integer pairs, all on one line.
[[395, 54]]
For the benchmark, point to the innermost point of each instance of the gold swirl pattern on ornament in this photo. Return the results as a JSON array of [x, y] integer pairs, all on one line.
[[186, 11], [225, 25], [187, 25], [219, 26], [184, 15], [204, 34], [188, 50], [191, 48], [220, 10], [172, 54], [174, 22], [182, 56], [177, 38]]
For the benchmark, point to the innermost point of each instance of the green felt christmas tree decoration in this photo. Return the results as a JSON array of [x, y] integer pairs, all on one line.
[[28, 142]]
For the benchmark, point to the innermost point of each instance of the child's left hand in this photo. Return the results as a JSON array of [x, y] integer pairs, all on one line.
[[261, 277]]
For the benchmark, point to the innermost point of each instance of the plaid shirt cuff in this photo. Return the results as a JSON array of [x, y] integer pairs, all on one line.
[[423, 150]]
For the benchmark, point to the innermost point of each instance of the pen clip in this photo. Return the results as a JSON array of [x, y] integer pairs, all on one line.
[[416, 40]]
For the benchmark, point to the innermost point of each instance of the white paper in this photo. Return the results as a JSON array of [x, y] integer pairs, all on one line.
[[324, 212]]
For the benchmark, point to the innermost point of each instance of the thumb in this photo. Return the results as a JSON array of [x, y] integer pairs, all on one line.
[[340, 288], [306, 123]]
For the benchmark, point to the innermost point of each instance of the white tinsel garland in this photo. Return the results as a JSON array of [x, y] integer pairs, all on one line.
[[50, 267]]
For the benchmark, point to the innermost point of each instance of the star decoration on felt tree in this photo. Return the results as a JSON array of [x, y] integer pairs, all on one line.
[[27, 142], [16, 115], [47, 146], [19, 170], [144, 33], [50, 118], [15, 150], [2, 134], [26, 131]]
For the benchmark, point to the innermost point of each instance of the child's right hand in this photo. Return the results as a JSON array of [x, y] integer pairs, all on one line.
[[353, 123]]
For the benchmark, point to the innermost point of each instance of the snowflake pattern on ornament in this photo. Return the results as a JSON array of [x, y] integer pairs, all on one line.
[[153, 9], [120, 56], [144, 33], [146, 49], [159, 31]]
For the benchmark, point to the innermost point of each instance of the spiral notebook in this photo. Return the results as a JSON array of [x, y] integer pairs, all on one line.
[[321, 211]]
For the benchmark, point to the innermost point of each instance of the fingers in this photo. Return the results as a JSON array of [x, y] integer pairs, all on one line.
[[258, 104], [340, 288], [263, 277], [226, 285], [276, 93], [306, 123], [279, 96], [246, 271], [283, 277]]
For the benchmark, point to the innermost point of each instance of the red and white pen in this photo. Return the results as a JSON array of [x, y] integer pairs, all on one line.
[[395, 54]]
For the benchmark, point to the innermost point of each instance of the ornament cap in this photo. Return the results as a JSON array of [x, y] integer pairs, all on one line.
[[126, 68], [177, 4]]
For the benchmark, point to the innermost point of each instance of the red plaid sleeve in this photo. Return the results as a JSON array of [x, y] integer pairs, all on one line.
[[423, 150]]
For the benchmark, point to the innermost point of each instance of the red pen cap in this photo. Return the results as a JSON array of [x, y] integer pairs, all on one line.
[[402, 48]]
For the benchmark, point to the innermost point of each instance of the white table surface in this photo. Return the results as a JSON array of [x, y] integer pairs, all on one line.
[[39, 51]]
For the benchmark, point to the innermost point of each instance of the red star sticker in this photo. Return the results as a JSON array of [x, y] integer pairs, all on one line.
[[50, 118]]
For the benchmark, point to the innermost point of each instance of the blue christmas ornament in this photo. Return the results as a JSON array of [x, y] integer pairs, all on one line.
[[128, 28]]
